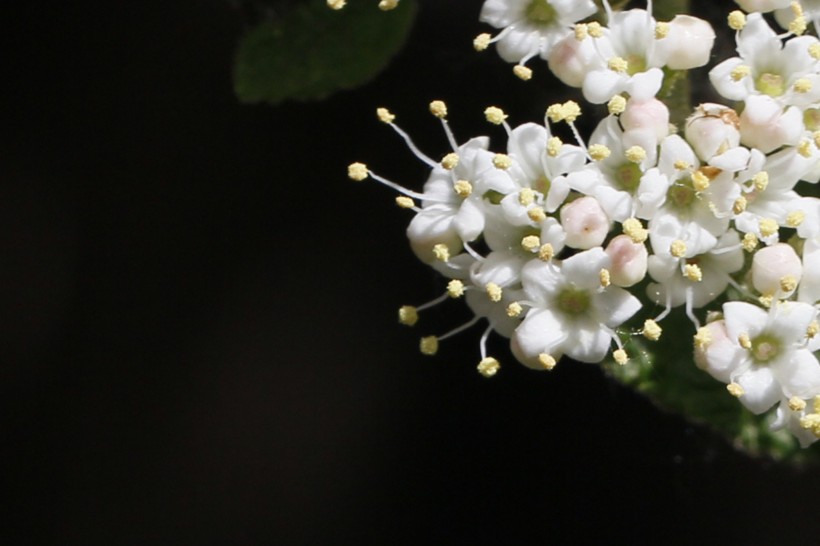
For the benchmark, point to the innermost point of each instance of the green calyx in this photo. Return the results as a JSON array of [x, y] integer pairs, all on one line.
[[541, 12], [573, 301]]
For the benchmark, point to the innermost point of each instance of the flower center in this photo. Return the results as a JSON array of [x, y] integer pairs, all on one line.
[[764, 348], [811, 117], [681, 194], [635, 64], [573, 301], [770, 84], [493, 196], [542, 185], [628, 177], [541, 12]]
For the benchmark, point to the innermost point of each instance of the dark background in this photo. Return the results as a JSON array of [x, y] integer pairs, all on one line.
[[197, 318]]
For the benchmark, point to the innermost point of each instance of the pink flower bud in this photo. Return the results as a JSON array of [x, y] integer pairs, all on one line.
[[629, 261], [766, 126], [776, 270], [571, 59], [651, 115], [716, 354], [585, 223], [688, 44], [712, 130]]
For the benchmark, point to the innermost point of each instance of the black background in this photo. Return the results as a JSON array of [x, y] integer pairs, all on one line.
[[197, 318]]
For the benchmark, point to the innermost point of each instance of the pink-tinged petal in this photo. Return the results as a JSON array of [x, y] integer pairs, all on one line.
[[615, 306], [799, 375], [722, 356], [761, 390], [743, 318]]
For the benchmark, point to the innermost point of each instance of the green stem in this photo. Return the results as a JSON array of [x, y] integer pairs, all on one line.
[[677, 90]]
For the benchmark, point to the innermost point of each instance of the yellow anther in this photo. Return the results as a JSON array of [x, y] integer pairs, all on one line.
[[750, 242], [494, 292], [438, 109], [547, 361], [739, 205], [384, 115], [605, 277], [463, 188], [441, 252], [813, 329], [405, 202], [554, 146], [798, 25], [796, 8], [737, 20], [616, 105], [693, 272], [537, 214], [677, 248], [661, 30], [768, 227], [735, 390], [814, 51], [531, 243], [816, 137], [428, 345], [739, 72], [488, 367], [651, 330], [761, 180], [546, 252], [571, 110], [795, 218], [635, 230], [811, 422], [502, 161], [802, 85], [357, 171], [700, 182], [618, 64], [526, 196], [495, 115], [336, 4], [635, 154], [522, 72], [620, 357], [797, 404], [581, 31], [766, 301], [455, 288], [682, 165], [554, 112], [482, 41], [744, 341], [804, 148], [387, 5], [703, 337], [599, 152], [788, 283], [514, 309], [594, 29], [450, 161], [816, 404], [408, 315]]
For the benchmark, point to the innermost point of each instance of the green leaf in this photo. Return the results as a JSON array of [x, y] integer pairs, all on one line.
[[313, 51]]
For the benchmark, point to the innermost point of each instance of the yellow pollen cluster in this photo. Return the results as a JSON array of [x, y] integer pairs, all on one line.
[[798, 24], [761, 180], [463, 188], [620, 357], [811, 422], [594, 29], [488, 367], [502, 161], [739, 205], [661, 30], [635, 154], [804, 148], [681, 165], [616, 105], [554, 146], [522, 72], [455, 288], [599, 152], [768, 227], [408, 315], [494, 292], [813, 329], [735, 390], [618, 64], [428, 345], [336, 4], [384, 115], [357, 171], [547, 361], [546, 252], [700, 181], [737, 20], [795, 218], [651, 330], [703, 337], [744, 341], [635, 230], [526, 196], [450, 161], [514, 309], [568, 111], [405, 202], [387, 5], [802, 85], [677, 248], [814, 51], [693, 272], [438, 109], [749, 242], [605, 277], [531, 243], [495, 115], [581, 31], [766, 301], [739, 72], [482, 41], [537, 214], [797, 404], [441, 252], [788, 283], [816, 136]]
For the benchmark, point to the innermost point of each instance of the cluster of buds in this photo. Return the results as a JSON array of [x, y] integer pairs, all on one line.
[[576, 248]]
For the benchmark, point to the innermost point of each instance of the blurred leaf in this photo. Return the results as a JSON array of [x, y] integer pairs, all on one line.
[[313, 51]]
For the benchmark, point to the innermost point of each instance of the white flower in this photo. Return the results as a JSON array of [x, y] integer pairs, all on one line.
[[688, 43]]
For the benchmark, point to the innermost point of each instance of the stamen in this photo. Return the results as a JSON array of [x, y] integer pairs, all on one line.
[[703, 338], [488, 367], [526, 196], [495, 115], [537, 214], [604, 277], [547, 361], [802, 85], [546, 252], [651, 330], [482, 41], [554, 146], [514, 309], [428, 345], [677, 248], [761, 181], [616, 105], [737, 20], [463, 188], [797, 404], [357, 171], [750, 242], [599, 152], [768, 227], [661, 30], [700, 182], [502, 161], [387, 5], [455, 288], [522, 72], [384, 115], [594, 29], [620, 356], [531, 243], [441, 252], [618, 64], [408, 315], [634, 229], [450, 161], [438, 109], [739, 72], [494, 292], [405, 202], [744, 341], [735, 390], [336, 4]]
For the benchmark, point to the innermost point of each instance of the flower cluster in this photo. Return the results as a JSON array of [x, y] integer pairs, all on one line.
[[575, 248]]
